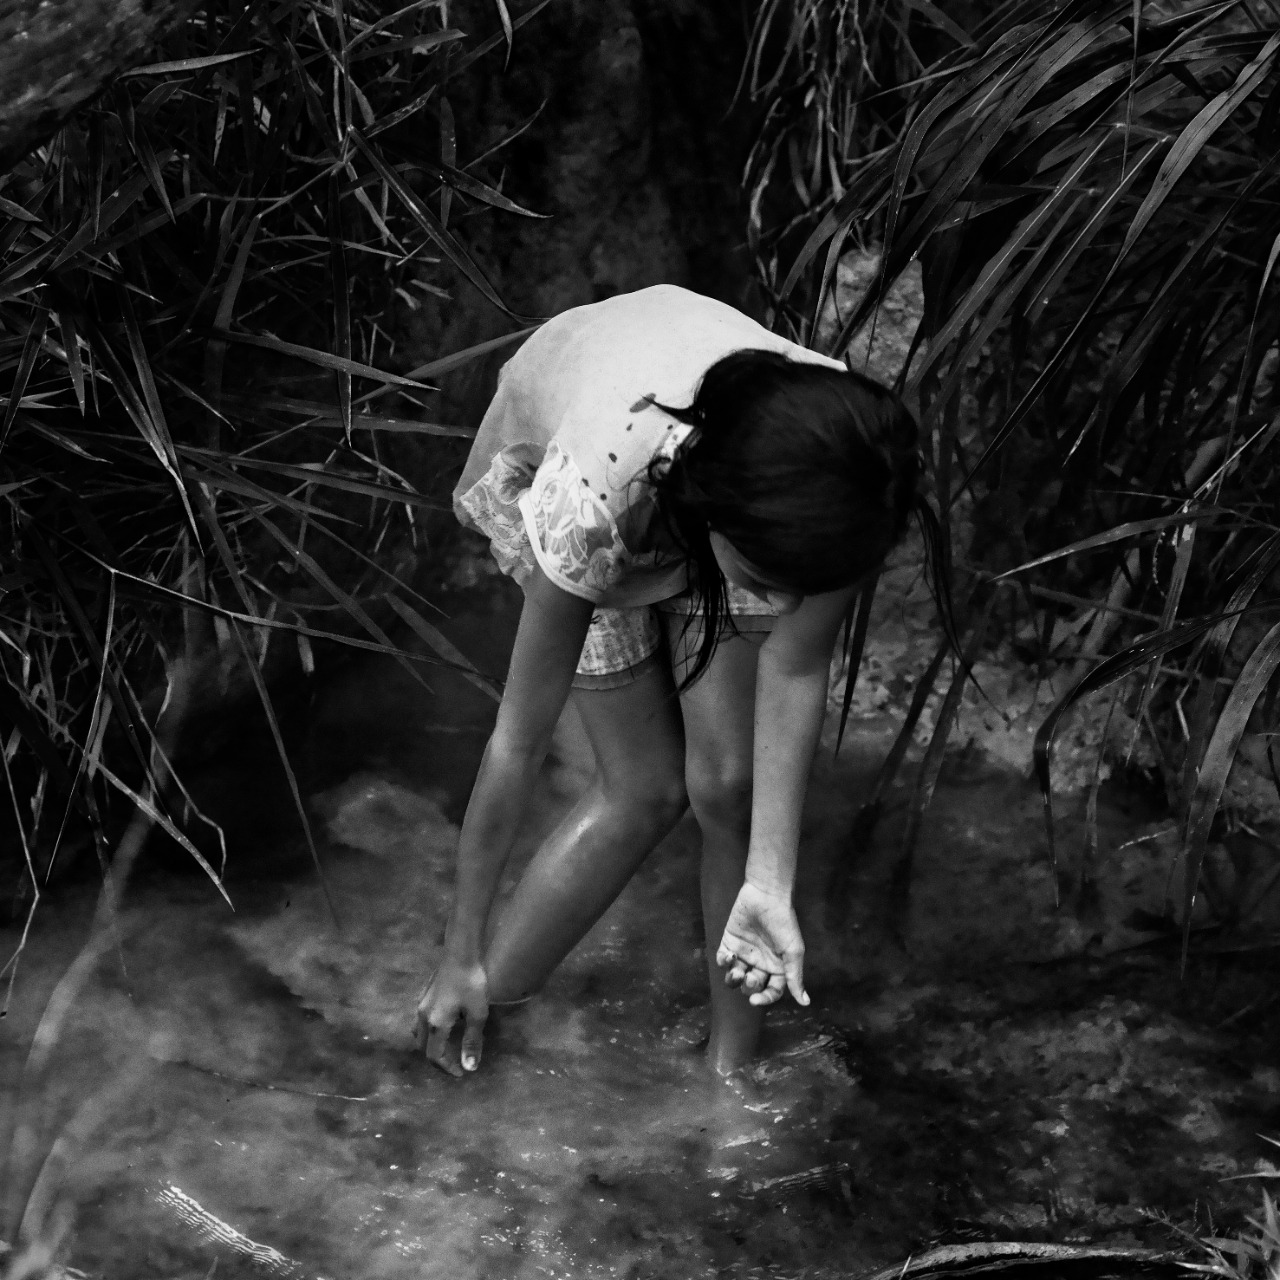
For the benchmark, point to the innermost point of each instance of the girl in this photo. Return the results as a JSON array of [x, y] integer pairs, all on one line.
[[689, 503]]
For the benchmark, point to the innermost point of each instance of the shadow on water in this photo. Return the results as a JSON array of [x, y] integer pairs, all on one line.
[[969, 1070]]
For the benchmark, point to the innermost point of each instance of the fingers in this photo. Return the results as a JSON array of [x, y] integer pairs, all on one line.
[[770, 992], [437, 1049], [793, 968], [431, 1034], [473, 1042], [761, 986]]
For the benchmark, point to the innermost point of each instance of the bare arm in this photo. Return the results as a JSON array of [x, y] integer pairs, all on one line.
[[553, 625], [791, 698]]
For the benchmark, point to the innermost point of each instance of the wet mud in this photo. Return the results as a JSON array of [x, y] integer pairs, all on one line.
[[241, 1088]]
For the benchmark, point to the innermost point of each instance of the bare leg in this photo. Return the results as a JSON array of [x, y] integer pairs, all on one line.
[[718, 714], [636, 797]]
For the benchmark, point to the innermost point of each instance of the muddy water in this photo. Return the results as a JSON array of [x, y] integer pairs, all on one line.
[[243, 1089]]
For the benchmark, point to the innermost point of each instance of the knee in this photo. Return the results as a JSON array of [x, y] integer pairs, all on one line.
[[720, 792], [657, 797]]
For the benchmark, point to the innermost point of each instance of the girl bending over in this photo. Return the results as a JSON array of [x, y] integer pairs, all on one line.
[[689, 503]]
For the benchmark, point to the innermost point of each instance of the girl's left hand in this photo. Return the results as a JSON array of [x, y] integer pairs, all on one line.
[[762, 948]]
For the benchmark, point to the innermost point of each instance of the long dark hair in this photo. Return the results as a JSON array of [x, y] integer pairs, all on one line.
[[809, 472]]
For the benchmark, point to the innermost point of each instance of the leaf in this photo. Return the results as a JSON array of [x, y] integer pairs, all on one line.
[[464, 182], [418, 6], [507, 32], [1216, 644], [183, 65], [935, 753], [315, 473], [492, 42], [152, 423], [856, 642], [152, 166], [410, 426], [445, 363], [1047, 289], [429, 224], [1193, 138], [1254, 677], [1108, 671], [452, 655], [63, 441], [1121, 533], [165, 824], [448, 155], [350, 606], [116, 205], [425, 43], [222, 479], [216, 350], [979, 294], [71, 345], [17, 211], [325, 359], [1175, 280], [18, 711], [26, 362], [1185, 537], [282, 754], [131, 714], [940, 20], [341, 302]]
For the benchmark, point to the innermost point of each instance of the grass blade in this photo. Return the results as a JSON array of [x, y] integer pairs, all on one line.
[[152, 422], [71, 345], [430, 225], [1185, 537], [182, 65], [1192, 140], [325, 359], [1108, 671], [26, 362], [314, 473], [341, 302], [1254, 677], [507, 32], [856, 642], [448, 156], [445, 363], [452, 655], [931, 765], [268, 708]]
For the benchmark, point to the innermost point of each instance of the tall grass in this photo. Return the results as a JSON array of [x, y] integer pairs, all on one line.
[[205, 416], [1093, 189]]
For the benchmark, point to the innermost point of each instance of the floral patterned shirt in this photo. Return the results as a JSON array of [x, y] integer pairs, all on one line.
[[556, 476]]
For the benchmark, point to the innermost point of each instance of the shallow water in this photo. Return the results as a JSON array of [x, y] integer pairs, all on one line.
[[248, 1093]]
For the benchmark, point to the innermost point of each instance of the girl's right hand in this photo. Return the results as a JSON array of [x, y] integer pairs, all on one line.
[[457, 991]]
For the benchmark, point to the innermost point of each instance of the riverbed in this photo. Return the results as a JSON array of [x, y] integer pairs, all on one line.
[[239, 1093]]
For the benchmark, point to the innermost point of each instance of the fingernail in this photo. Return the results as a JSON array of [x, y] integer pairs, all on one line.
[[804, 997], [468, 1062]]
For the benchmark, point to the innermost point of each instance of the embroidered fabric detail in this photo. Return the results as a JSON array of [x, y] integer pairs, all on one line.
[[575, 531], [492, 505]]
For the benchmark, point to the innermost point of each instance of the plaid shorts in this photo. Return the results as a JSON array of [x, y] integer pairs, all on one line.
[[622, 644]]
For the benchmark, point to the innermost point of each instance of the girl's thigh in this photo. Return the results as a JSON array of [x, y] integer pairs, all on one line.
[[718, 708], [636, 733]]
